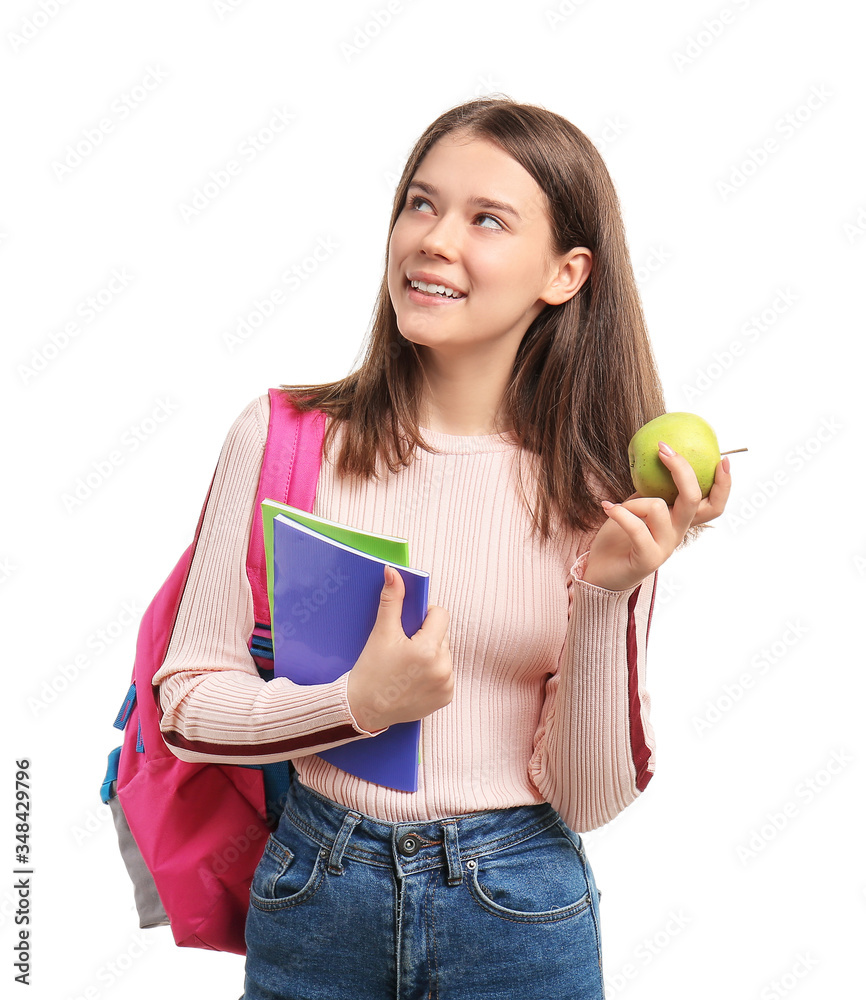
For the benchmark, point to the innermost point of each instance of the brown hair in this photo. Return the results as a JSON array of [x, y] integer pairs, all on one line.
[[584, 378]]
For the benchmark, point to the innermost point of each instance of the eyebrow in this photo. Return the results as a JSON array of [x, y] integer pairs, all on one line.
[[499, 206]]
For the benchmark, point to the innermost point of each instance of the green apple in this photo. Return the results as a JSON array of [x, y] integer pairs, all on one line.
[[686, 433]]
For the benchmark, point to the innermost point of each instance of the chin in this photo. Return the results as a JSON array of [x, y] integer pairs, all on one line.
[[417, 336]]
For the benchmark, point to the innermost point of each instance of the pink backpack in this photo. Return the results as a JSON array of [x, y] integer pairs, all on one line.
[[192, 834]]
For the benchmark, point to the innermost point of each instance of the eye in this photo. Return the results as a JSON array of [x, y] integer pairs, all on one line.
[[485, 216], [415, 200]]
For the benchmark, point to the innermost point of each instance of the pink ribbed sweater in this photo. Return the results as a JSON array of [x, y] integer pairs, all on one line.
[[549, 703]]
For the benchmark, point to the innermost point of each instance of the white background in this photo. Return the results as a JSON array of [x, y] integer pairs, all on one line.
[[742, 865]]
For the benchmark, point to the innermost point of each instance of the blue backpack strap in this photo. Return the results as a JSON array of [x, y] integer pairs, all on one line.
[[107, 792], [126, 708]]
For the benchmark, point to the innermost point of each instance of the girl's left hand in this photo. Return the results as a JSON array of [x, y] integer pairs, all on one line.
[[641, 532]]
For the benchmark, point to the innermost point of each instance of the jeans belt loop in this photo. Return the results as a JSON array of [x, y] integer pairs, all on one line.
[[350, 821], [452, 853]]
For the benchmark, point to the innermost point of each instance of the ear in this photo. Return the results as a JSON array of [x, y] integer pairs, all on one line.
[[572, 270]]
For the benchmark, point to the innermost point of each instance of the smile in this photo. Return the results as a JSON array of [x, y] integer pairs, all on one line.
[[431, 299], [426, 293], [432, 289]]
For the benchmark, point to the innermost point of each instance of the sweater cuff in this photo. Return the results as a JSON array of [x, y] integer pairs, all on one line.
[[231, 716], [343, 681], [593, 592]]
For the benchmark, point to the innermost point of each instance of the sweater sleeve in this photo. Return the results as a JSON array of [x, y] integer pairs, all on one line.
[[594, 747], [215, 706]]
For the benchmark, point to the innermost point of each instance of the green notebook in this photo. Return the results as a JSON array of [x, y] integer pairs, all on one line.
[[395, 550]]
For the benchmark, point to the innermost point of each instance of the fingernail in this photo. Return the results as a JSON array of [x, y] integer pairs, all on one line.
[[606, 504], [726, 464], [666, 449]]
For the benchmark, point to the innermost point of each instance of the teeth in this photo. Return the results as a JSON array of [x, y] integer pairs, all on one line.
[[436, 289]]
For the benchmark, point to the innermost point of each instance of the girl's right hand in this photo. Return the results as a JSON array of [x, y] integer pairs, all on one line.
[[400, 678]]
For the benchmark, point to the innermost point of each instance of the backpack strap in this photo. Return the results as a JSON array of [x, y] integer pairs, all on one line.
[[290, 474]]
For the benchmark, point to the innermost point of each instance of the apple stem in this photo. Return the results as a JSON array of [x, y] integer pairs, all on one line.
[[734, 451]]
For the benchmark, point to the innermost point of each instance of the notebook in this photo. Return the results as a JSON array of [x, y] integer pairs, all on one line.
[[325, 600]]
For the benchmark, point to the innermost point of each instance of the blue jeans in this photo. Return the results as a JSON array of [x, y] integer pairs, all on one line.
[[489, 906]]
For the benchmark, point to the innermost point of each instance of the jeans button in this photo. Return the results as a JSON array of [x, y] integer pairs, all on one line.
[[409, 844]]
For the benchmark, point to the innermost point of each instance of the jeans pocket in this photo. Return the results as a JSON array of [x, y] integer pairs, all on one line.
[[538, 880], [286, 875]]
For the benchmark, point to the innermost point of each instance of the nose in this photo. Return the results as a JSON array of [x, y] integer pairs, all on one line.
[[441, 239]]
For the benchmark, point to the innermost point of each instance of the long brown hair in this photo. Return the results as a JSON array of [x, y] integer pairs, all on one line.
[[584, 378]]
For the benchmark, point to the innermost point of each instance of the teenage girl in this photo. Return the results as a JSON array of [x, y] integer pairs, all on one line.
[[507, 368]]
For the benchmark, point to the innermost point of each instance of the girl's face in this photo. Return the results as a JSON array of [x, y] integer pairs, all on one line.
[[475, 221]]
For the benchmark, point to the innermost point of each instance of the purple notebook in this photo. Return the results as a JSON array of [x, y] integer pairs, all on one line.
[[326, 596]]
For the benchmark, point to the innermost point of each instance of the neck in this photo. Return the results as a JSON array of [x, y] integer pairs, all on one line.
[[463, 395]]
